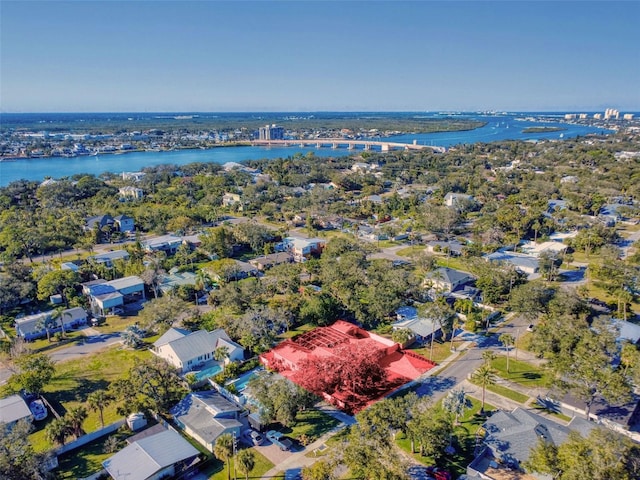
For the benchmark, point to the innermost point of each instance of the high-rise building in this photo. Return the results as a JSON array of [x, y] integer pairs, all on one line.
[[271, 132], [610, 113]]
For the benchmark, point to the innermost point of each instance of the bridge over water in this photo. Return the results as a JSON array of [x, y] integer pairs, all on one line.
[[349, 144]]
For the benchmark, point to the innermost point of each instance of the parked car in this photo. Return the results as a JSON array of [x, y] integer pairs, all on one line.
[[254, 437], [530, 328], [38, 410], [277, 438]]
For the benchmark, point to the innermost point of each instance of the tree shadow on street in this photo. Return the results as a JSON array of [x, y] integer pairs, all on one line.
[[435, 384]]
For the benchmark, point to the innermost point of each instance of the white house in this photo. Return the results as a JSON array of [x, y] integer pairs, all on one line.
[[131, 193], [302, 248], [165, 243], [229, 199], [536, 249], [36, 326], [457, 199], [188, 351]]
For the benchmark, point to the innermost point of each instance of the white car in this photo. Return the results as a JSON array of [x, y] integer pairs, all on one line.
[[38, 410]]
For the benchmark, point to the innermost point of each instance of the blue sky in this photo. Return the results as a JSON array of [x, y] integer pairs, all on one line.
[[304, 56]]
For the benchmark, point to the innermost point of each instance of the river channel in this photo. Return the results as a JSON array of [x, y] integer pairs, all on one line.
[[504, 127]]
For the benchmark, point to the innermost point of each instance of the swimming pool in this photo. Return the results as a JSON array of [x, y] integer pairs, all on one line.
[[241, 382], [208, 372]]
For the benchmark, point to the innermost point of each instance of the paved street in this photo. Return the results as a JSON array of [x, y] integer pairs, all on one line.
[[91, 344]]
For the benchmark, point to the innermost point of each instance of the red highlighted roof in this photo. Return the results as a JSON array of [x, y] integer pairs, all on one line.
[[345, 364]]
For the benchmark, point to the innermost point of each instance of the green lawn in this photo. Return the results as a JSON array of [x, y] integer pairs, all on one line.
[[441, 350], [557, 415], [296, 331], [115, 323], [457, 263], [74, 380], [410, 251], [523, 342], [463, 441], [508, 393], [216, 470], [520, 372], [311, 423], [43, 345], [84, 461]]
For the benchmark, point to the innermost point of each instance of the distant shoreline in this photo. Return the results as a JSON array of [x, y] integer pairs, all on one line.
[[124, 152], [543, 129]]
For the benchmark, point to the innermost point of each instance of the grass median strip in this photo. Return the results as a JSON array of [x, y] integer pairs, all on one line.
[[508, 393]]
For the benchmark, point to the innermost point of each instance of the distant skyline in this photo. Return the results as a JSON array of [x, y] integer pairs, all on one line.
[[215, 56]]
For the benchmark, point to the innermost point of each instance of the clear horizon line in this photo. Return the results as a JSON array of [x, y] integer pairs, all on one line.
[[498, 110]]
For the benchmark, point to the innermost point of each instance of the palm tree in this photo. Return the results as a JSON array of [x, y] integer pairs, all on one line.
[[76, 416], [57, 431], [508, 341], [98, 400], [488, 356], [438, 314], [245, 462], [454, 327], [223, 450], [60, 314], [455, 403], [202, 282], [485, 376], [221, 354], [45, 322]]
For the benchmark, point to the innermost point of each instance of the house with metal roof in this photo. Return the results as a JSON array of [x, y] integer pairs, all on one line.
[[177, 279], [509, 438], [524, 263], [106, 297], [188, 351], [13, 409], [626, 330], [107, 258], [205, 416], [421, 327], [163, 455], [165, 243], [36, 326]]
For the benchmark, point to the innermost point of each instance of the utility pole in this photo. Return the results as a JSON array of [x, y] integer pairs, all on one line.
[[235, 450]]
